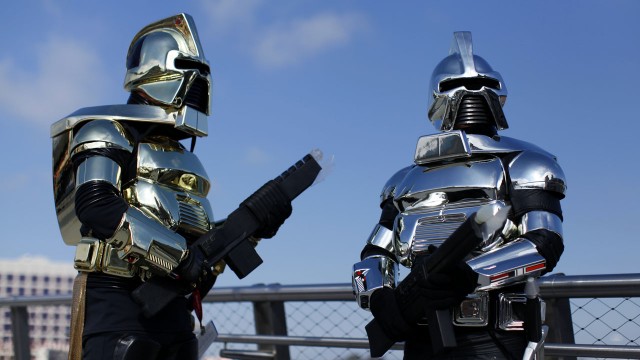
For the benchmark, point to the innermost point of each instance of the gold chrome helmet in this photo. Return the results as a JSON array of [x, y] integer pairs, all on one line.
[[167, 67], [466, 91]]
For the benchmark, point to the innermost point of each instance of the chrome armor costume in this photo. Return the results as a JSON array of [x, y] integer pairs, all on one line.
[[163, 184], [133, 200], [456, 171], [131, 197]]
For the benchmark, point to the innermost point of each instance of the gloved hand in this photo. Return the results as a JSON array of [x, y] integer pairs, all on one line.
[[195, 271], [448, 288], [398, 311], [394, 323], [418, 294], [271, 206]]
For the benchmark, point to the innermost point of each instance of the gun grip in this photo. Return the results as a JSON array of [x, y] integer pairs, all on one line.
[[154, 294], [441, 330], [243, 259], [379, 343], [533, 320]]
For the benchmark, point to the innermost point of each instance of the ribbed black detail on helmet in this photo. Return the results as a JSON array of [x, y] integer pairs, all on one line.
[[474, 110], [198, 95]]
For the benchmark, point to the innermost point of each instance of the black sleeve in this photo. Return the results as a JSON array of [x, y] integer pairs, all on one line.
[[524, 201], [99, 205], [387, 218], [389, 213], [548, 243]]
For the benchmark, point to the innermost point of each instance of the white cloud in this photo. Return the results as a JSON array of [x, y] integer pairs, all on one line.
[[225, 14], [300, 39], [66, 75], [255, 156]]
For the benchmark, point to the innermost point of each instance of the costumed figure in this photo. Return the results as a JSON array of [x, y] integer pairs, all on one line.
[[495, 309], [131, 198]]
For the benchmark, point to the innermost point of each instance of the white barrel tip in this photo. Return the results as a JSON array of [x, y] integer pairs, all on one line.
[[316, 154]]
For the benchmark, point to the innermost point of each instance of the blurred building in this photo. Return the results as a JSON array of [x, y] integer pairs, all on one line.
[[48, 325]]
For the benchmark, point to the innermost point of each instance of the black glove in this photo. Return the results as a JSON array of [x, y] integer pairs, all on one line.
[[271, 206], [448, 288], [390, 316], [398, 311], [196, 272], [420, 292]]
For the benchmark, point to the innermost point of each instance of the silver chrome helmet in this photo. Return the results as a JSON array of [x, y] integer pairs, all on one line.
[[167, 67], [466, 89]]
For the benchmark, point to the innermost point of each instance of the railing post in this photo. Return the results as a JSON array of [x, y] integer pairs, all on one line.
[[20, 333], [270, 319], [558, 317]]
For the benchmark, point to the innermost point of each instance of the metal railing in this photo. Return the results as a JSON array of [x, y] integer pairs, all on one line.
[[272, 339]]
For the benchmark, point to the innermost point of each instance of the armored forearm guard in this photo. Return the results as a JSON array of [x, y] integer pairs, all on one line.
[[147, 244], [510, 263], [371, 274], [521, 257]]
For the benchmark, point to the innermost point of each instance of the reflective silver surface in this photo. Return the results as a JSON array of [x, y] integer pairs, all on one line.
[[172, 187], [178, 198], [535, 220], [473, 311], [167, 196], [101, 134], [98, 134], [434, 198], [448, 90], [485, 175], [390, 188], [120, 112], [165, 60], [98, 168], [95, 255], [531, 170], [510, 306], [147, 244], [167, 162], [382, 238], [186, 213], [507, 264], [416, 231], [192, 121], [437, 147], [372, 274], [455, 174]]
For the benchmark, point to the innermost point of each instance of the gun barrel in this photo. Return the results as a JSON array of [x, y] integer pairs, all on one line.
[[230, 241]]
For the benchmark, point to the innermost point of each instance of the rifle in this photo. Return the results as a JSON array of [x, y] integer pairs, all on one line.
[[230, 242], [475, 229]]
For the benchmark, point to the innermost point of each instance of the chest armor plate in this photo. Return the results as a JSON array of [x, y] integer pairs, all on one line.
[[434, 200], [171, 186]]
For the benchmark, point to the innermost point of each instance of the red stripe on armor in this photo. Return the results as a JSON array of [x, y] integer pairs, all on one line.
[[499, 277], [535, 267]]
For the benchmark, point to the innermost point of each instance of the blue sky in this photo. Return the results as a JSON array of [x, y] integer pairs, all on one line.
[[350, 78]]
